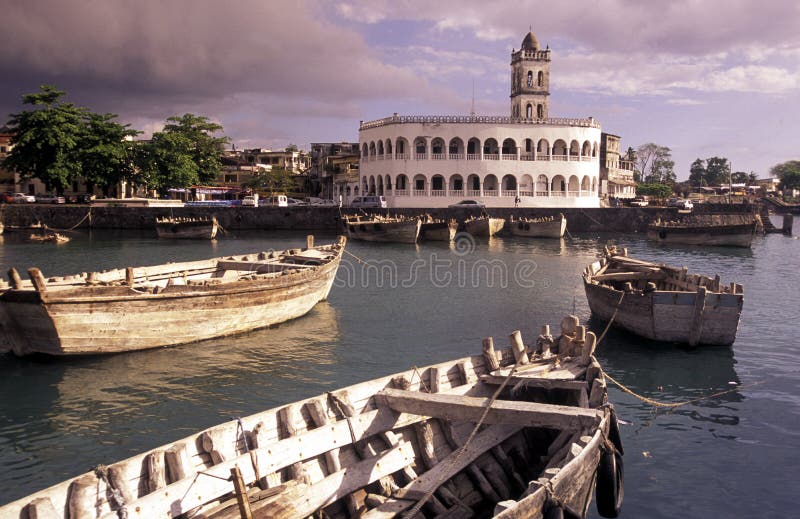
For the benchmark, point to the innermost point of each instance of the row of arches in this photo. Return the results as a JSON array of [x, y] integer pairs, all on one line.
[[475, 185], [474, 149]]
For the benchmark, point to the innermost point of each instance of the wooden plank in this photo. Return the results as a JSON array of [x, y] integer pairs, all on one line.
[[546, 383], [631, 276], [470, 409], [303, 500]]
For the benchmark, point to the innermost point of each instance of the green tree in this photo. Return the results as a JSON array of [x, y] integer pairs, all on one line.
[[47, 139], [276, 180], [789, 173], [717, 171], [106, 151], [654, 190], [697, 173], [654, 164], [185, 153]]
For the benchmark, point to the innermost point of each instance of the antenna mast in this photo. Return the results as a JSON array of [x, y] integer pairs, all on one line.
[[472, 109]]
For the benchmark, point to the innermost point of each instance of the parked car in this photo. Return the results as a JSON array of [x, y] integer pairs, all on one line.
[[639, 201], [22, 198], [369, 202], [293, 202], [7, 197], [467, 204], [50, 199], [250, 200], [681, 204]]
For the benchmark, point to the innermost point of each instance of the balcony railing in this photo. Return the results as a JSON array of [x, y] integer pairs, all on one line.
[[456, 192], [473, 156], [526, 157], [560, 157], [456, 156], [421, 156], [380, 157], [438, 156], [420, 192], [402, 156], [401, 192], [509, 156], [541, 193], [560, 194], [473, 192], [586, 158], [543, 156], [525, 193], [438, 192], [491, 156], [509, 192], [489, 192]]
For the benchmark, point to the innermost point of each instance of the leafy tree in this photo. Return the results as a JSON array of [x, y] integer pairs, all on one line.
[[183, 154], [740, 177], [276, 180], [47, 139], [697, 173], [789, 173], [717, 171], [654, 164], [654, 190], [106, 151]]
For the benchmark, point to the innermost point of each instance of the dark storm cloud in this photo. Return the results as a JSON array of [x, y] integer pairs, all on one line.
[[156, 58]]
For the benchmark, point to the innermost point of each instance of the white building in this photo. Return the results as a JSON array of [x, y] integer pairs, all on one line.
[[434, 161]]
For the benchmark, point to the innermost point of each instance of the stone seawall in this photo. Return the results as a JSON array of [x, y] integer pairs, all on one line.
[[616, 219]]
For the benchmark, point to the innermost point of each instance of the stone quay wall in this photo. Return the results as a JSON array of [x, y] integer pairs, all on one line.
[[615, 219]]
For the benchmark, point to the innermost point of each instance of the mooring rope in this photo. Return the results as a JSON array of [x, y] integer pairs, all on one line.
[[71, 228], [354, 256]]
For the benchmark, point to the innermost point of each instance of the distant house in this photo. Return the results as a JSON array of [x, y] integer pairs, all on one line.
[[616, 174], [325, 157]]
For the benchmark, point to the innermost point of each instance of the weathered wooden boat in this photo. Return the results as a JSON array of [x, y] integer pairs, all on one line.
[[438, 229], [49, 237], [484, 226], [523, 432], [115, 311], [545, 227], [661, 302], [383, 228], [187, 228], [734, 230]]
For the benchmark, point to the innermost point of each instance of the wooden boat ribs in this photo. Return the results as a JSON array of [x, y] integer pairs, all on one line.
[[378, 448]]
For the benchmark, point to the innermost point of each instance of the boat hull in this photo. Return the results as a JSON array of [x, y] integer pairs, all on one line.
[[115, 319], [438, 231], [484, 226], [191, 230], [668, 316], [378, 231], [531, 229], [728, 236]]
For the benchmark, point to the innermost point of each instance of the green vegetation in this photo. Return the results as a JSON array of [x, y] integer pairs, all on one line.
[[654, 190], [275, 181], [58, 142], [653, 164], [789, 173], [715, 171]]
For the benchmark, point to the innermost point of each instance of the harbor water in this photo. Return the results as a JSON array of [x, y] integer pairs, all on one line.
[[730, 452]]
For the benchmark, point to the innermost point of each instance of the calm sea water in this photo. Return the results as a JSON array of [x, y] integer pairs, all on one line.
[[733, 455]]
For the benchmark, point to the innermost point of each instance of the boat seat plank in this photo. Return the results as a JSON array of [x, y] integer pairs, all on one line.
[[631, 276], [470, 409], [546, 383]]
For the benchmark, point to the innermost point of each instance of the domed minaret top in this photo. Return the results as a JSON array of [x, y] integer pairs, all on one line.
[[530, 42]]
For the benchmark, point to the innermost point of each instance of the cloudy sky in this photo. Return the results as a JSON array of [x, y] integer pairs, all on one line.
[[705, 78]]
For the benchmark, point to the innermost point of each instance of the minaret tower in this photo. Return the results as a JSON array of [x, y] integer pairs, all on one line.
[[530, 80]]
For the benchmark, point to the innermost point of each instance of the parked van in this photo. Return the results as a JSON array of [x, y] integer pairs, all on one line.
[[276, 201], [369, 201]]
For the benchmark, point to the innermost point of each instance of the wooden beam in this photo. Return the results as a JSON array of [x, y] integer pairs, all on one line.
[[470, 409], [630, 276], [572, 385]]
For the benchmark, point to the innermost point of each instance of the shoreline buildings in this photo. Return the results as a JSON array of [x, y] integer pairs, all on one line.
[[527, 158]]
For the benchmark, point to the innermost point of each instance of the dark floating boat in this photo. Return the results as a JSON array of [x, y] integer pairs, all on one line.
[[433, 229], [187, 228], [545, 227], [383, 228], [661, 302], [162, 305], [734, 230], [484, 226], [524, 432]]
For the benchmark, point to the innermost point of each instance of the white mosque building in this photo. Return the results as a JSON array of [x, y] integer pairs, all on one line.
[[435, 161]]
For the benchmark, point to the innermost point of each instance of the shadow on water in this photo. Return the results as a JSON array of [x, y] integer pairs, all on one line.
[[146, 398]]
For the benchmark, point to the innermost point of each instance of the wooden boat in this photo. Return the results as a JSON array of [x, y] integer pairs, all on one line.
[[383, 228], [661, 302], [115, 311], [438, 229], [511, 433], [49, 237], [545, 227], [735, 230], [188, 228], [484, 226]]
